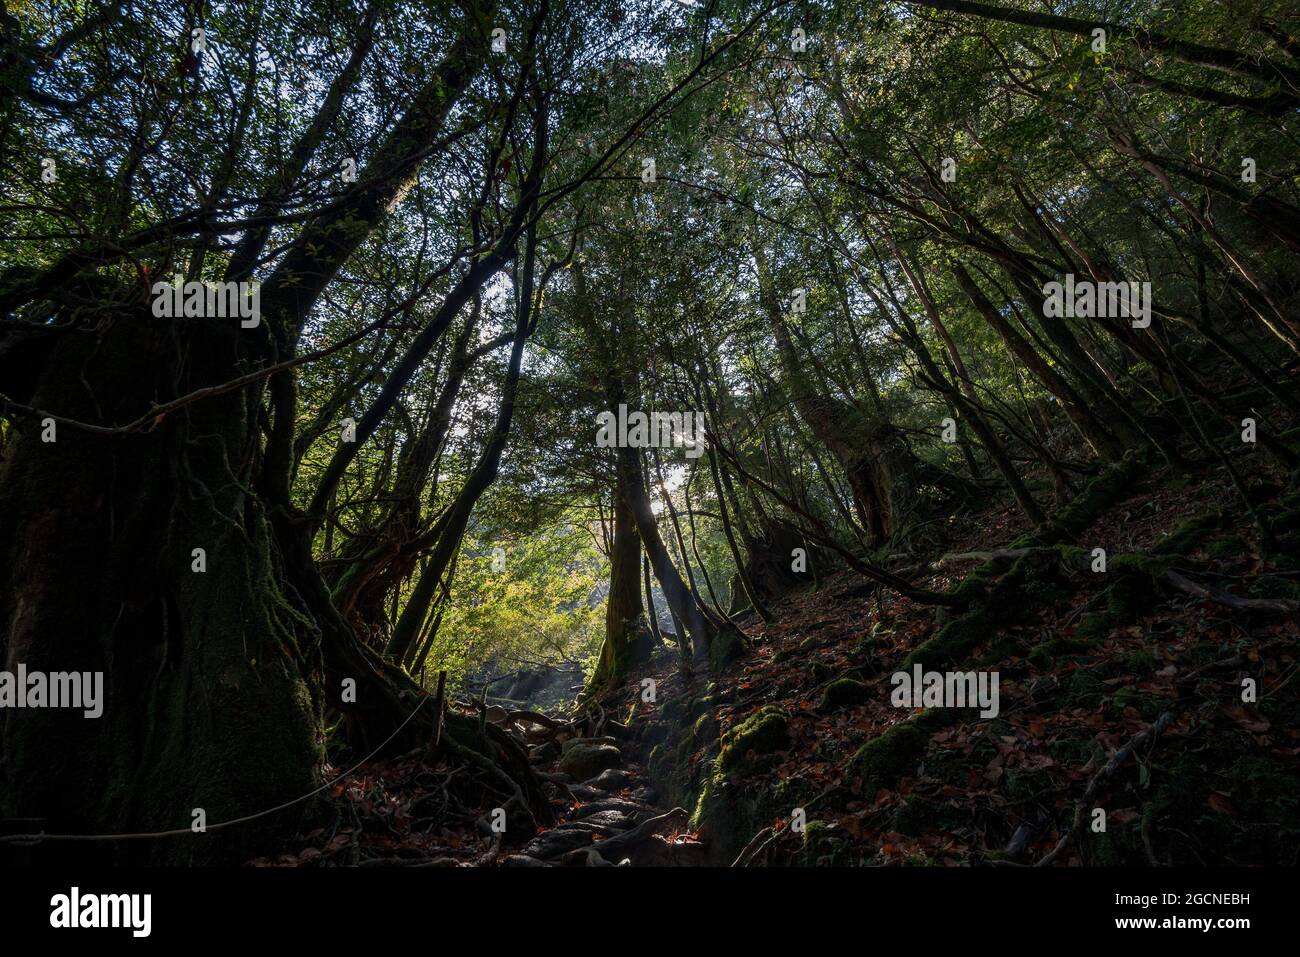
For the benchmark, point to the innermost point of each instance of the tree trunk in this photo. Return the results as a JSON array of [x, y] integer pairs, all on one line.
[[207, 675], [877, 465], [623, 606]]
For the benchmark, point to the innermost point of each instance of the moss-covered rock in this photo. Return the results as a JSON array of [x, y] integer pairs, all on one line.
[[704, 730], [698, 706], [586, 760], [882, 761], [953, 643], [675, 709], [822, 846], [763, 732], [844, 693]]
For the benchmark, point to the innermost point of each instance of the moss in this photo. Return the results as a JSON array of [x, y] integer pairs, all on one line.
[[1075, 557], [705, 729], [1227, 546], [822, 847], [763, 732], [1135, 587], [786, 653], [652, 732], [1137, 565], [953, 642], [699, 706], [864, 648], [820, 671], [882, 761], [1187, 535], [975, 586], [844, 693], [791, 793], [675, 709], [728, 816], [1045, 654], [726, 647], [1098, 495]]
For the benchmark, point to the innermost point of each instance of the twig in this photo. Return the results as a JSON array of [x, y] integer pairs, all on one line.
[[752, 848], [1111, 766], [1283, 606]]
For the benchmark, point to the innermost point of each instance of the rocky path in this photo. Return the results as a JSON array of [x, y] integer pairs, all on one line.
[[407, 811], [606, 811]]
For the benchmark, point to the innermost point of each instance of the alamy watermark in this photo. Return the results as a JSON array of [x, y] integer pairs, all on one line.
[[75, 910], [57, 689], [946, 689], [1086, 299], [209, 300], [652, 430]]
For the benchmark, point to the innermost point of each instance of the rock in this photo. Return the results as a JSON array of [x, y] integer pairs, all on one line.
[[605, 824], [610, 819], [554, 792], [585, 760], [608, 804], [763, 732], [584, 742], [555, 842], [611, 779], [844, 693], [543, 753]]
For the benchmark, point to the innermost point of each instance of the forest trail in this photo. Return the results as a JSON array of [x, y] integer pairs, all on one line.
[[399, 812]]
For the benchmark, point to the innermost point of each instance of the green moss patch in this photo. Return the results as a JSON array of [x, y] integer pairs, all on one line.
[[844, 693], [763, 732]]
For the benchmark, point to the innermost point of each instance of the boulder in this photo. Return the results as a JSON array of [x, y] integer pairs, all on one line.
[[611, 780], [585, 759], [572, 743]]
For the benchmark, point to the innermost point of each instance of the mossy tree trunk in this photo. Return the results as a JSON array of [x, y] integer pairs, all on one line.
[[623, 607], [208, 675]]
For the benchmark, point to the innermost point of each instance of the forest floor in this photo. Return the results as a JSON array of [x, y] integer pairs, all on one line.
[[1088, 663]]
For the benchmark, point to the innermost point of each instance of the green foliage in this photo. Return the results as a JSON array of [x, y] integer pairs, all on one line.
[[537, 611]]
